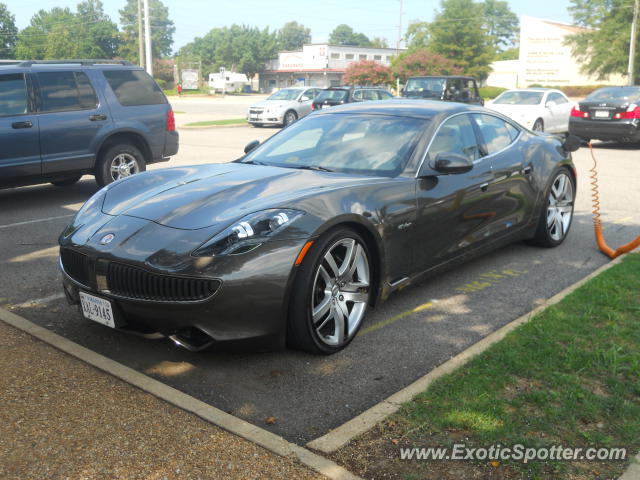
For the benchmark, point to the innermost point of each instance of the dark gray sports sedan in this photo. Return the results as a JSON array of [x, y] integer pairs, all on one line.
[[296, 240]]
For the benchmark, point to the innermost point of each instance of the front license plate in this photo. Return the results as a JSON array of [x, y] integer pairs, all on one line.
[[601, 114], [97, 309]]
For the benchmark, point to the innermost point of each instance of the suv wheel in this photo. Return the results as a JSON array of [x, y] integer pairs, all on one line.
[[118, 162], [65, 182]]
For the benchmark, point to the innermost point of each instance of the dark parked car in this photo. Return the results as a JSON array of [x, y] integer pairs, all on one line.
[[609, 113], [60, 120], [298, 238], [332, 96], [447, 88]]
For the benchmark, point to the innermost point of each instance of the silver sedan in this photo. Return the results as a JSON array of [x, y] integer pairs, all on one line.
[[283, 107]]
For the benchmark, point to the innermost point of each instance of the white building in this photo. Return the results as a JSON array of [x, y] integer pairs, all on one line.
[[544, 59], [227, 81], [317, 65]]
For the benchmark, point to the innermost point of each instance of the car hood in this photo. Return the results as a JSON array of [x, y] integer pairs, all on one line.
[[272, 104], [197, 197]]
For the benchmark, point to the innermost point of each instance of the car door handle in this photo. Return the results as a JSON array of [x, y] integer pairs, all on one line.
[[97, 117], [484, 187], [26, 124]]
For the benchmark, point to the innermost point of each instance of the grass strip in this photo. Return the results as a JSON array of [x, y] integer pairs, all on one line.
[[208, 123], [570, 377]]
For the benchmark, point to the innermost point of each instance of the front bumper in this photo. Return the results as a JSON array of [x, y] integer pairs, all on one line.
[[264, 118], [617, 130], [249, 303]]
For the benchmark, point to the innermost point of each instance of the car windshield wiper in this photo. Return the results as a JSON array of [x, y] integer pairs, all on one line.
[[253, 162], [316, 168]]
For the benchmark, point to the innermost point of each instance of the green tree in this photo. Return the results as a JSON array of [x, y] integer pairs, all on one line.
[[367, 72], [162, 30], [60, 33], [459, 33], [423, 62], [344, 35], [604, 49], [292, 36], [379, 42], [501, 23], [417, 35], [238, 48], [8, 33]]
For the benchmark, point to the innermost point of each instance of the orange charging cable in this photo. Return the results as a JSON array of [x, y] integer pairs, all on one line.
[[597, 224]]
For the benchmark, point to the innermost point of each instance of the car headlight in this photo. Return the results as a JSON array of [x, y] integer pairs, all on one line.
[[248, 233]]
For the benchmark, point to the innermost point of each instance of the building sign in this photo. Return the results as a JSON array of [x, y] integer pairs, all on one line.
[[189, 79]]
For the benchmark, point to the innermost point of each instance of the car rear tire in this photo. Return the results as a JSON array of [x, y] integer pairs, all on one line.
[[557, 213], [289, 118], [331, 294], [538, 126], [118, 162], [67, 181]]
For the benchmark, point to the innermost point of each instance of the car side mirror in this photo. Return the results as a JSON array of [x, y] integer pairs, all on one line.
[[452, 163], [305, 99], [550, 104], [572, 143], [251, 145]]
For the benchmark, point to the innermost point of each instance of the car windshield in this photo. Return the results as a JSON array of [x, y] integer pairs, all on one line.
[[335, 95], [424, 87], [615, 93], [286, 94], [377, 145], [519, 98]]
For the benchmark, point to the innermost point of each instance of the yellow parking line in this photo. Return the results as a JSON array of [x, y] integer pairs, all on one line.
[[395, 318]]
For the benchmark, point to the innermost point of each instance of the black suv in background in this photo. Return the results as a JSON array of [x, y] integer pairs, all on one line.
[[60, 120], [450, 89], [338, 95]]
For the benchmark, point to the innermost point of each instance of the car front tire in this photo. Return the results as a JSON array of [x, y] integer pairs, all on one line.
[[538, 126], [332, 293], [289, 118], [118, 162]]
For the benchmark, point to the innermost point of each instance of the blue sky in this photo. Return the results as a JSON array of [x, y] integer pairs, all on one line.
[[374, 18]]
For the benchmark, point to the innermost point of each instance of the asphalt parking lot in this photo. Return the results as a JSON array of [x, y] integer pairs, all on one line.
[[401, 340]]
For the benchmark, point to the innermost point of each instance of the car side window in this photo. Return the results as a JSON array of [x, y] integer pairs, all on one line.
[[556, 97], [496, 133], [370, 95], [455, 135], [134, 87], [384, 95], [357, 96], [64, 91], [13, 95]]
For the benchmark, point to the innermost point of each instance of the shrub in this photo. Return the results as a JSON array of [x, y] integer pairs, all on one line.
[[367, 72], [423, 62], [161, 83], [491, 92]]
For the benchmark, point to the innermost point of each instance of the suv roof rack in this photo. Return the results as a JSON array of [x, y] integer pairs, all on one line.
[[29, 63]]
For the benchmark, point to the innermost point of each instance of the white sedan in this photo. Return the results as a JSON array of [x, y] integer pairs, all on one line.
[[538, 109]]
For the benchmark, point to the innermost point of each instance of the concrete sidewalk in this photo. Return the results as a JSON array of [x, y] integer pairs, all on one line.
[[61, 418]]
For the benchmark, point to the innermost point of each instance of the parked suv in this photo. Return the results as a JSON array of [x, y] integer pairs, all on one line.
[[450, 89], [60, 120], [283, 107], [338, 95]]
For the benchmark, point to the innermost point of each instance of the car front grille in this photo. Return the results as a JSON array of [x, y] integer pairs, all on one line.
[[136, 283], [78, 266], [255, 111]]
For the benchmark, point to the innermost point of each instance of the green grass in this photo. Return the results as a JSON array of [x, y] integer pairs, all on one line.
[[187, 92], [570, 376], [230, 121]]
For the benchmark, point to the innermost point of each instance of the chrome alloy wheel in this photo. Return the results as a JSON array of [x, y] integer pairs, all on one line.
[[123, 165], [340, 292], [560, 208]]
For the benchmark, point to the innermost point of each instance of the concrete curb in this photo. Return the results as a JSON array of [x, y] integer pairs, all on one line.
[[343, 434], [257, 435], [633, 472]]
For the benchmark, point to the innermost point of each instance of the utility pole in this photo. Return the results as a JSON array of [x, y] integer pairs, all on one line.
[[632, 46], [398, 46], [140, 36], [147, 38]]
